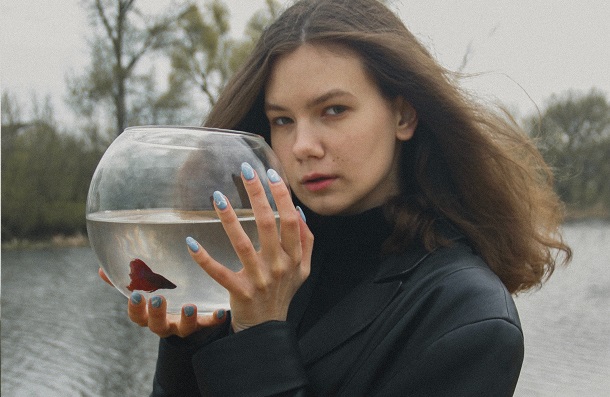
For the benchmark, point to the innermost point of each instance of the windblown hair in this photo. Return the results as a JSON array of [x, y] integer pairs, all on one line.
[[466, 163]]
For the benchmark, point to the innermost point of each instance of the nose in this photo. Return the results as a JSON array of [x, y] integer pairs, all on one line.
[[307, 143]]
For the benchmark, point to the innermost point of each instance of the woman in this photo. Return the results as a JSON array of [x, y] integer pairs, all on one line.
[[428, 211]]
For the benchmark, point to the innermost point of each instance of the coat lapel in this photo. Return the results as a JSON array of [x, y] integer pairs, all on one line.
[[357, 310], [301, 298], [361, 306], [347, 318]]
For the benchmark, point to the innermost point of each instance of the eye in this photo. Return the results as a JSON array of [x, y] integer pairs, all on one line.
[[281, 121], [335, 110]]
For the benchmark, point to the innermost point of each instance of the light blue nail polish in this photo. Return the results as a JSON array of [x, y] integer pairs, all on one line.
[[220, 200], [156, 301], [192, 243], [220, 313], [136, 298], [189, 310], [247, 171], [302, 214], [273, 176]]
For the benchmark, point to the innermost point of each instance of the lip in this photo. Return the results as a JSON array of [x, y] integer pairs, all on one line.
[[315, 182]]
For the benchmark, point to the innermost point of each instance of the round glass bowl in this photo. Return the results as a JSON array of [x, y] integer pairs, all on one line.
[[152, 188]]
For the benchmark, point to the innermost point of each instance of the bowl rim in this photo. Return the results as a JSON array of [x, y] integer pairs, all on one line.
[[196, 128]]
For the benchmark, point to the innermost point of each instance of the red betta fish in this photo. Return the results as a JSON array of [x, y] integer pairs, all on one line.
[[144, 279]]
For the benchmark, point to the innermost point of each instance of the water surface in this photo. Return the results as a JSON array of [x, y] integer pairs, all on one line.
[[66, 333]]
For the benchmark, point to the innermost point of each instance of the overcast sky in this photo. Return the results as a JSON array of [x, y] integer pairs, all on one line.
[[525, 48]]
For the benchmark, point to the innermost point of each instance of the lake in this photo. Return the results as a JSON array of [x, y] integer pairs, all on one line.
[[66, 333]]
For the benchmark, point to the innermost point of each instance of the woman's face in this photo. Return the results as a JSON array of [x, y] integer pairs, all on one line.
[[336, 136]]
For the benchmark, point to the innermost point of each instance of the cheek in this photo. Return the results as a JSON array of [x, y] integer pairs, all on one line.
[[287, 160], [370, 148], [281, 149]]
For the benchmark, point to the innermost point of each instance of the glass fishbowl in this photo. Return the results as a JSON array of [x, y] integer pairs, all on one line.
[[152, 188]]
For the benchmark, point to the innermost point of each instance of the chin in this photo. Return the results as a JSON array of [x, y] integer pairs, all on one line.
[[330, 210]]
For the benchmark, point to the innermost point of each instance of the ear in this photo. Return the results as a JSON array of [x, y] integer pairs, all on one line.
[[406, 119]]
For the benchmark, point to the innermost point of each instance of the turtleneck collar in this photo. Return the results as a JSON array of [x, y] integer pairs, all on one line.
[[360, 227], [347, 250], [350, 244]]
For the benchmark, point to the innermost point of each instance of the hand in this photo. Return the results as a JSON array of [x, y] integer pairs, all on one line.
[[262, 290], [154, 315]]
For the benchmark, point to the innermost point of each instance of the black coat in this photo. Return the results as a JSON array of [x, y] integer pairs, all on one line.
[[427, 324]]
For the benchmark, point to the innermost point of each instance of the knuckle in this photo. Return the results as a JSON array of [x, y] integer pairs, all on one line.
[[291, 219], [278, 272], [267, 224], [248, 294], [243, 245], [280, 191], [261, 285], [258, 194]]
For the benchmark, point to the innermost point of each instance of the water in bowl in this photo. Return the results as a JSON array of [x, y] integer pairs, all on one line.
[[157, 238]]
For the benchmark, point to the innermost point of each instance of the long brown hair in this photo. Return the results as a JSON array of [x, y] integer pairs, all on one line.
[[466, 162]]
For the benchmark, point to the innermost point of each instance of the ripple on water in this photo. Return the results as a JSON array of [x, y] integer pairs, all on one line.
[[567, 323], [64, 332]]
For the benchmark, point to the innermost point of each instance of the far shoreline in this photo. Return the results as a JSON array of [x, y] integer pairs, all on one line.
[[57, 241], [80, 240]]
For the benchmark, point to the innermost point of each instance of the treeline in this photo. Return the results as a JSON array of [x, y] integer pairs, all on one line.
[[45, 179], [46, 171], [573, 134], [46, 167]]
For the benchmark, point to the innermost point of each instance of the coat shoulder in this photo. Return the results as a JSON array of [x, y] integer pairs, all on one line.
[[456, 285]]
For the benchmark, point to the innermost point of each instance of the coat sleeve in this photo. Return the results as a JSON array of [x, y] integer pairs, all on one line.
[[479, 359], [174, 373], [260, 361]]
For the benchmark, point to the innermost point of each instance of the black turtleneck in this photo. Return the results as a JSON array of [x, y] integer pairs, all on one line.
[[347, 250]]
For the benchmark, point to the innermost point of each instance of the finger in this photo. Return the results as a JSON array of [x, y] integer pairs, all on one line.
[[307, 240], [136, 309], [191, 322], [263, 214], [289, 216], [239, 239], [214, 269], [157, 316], [103, 276], [188, 320], [218, 317]]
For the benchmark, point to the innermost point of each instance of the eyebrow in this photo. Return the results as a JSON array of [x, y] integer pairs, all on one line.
[[313, 102]]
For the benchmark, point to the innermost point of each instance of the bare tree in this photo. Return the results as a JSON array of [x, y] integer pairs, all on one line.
[[204, 55], [122, 37]]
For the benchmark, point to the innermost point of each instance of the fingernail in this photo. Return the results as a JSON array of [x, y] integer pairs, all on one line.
[[136, 298], [189, 310], [273, 176], [302, 214], [220, 200], [156, 301], [220, 314], [192, 243], [247, 170]]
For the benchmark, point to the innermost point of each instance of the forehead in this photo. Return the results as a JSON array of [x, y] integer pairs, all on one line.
[[312, 68]]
